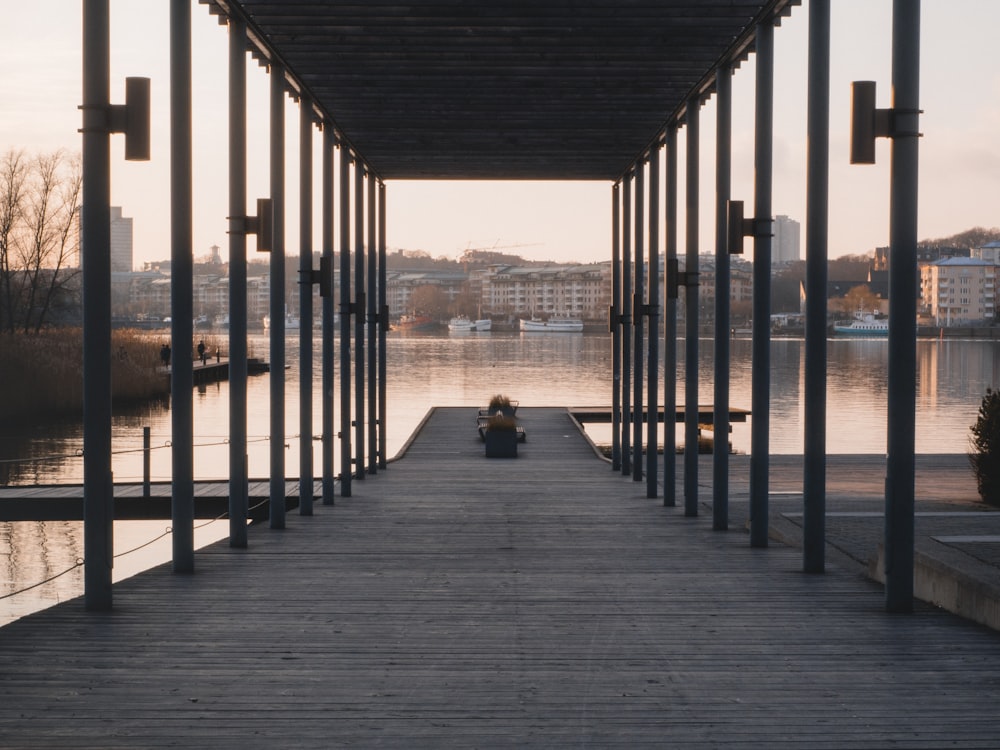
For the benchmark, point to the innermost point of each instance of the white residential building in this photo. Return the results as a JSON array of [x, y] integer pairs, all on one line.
[[785, 247]]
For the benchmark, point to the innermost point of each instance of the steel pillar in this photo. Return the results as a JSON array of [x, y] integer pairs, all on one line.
[[277, 308], [238, 483], [345, 321], [627, 415], [691, 314], [383, 324], [761, 376], [372, 330], [616, 329], [637, 322], [326, 265], [899, 480], [305, 308], [670, 325], [720, 400], [359, 317], [817, 231], [181, 290], [95, 217], [653, 316]]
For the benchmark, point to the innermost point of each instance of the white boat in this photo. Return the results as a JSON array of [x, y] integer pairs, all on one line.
[[864, 324], [462, 323], [555, 325]]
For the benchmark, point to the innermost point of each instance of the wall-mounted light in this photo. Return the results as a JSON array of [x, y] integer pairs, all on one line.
[[868, 122], [131, 118], [261, 225], [738, 227]]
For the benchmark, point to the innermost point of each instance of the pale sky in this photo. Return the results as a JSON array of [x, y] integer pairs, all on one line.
[[40, 51]]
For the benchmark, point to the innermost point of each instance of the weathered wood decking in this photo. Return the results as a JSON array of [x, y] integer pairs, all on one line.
[[456, 601]]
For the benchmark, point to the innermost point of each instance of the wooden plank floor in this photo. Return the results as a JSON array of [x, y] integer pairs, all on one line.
[[458, 601]]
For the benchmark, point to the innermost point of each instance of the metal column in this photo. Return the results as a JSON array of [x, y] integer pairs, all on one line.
[[181, 290], [277, 309], [723, 190], [345, 321], [305, 308], [637, 322], [670, 324], [653, 316], [761, 385], [238, 489], [359, 317], [383, 324], [691, 315], [95, 218], [326, 266], [372, 330], [615, 325], [899, 481], [627, 415], [817, 224]]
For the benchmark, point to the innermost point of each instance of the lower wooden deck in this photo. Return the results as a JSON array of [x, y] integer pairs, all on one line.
[[459, 601]]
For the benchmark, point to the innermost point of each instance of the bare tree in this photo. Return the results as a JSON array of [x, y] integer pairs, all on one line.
[[39, 211], [13, 172]]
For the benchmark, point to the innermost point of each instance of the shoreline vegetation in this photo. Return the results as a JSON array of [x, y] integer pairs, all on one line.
[[43, 372]]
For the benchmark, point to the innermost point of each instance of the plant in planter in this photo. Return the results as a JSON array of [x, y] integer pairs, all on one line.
[[501, 404], [985, 454], [501, 437]]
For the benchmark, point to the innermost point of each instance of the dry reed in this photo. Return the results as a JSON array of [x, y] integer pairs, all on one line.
[[42, 375]]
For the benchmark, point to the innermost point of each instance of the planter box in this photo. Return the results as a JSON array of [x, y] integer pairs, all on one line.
[[501, 443]]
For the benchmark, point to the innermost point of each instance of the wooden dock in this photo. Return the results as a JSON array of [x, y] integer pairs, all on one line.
[[459, 601]]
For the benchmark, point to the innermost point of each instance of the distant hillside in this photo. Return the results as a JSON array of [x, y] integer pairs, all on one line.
[[970, 238]]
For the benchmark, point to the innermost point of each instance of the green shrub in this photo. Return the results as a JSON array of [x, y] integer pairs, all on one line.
[[985, 443]]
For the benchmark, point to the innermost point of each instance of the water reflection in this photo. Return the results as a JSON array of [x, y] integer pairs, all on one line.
[[538, 370]]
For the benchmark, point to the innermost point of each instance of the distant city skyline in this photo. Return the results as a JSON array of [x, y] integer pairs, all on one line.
[[564, 222]]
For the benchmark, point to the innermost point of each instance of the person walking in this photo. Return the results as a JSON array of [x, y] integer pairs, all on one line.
[[201, 352]]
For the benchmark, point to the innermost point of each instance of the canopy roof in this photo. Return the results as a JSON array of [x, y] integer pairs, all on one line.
[[505, 89]]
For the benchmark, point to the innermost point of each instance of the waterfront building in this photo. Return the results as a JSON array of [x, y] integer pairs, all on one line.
[[786, 245], [577, 291], [959, 291]]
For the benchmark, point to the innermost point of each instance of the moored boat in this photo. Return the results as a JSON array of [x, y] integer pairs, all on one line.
[[462, 323], [864, 324], [555, 325]]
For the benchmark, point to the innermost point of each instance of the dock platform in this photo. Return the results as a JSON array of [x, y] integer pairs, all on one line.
[[542, 601]]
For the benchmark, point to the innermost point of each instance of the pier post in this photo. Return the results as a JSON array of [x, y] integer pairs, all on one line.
[[653, 316], [616, 329], [95, 241], [761, 376], [723, 192], [181, 289], [817, 229], [345, 320], [359, 317], [627, 415], [637, 323], [383, 325], [277, 308], [670, 324], [372, 329], [146, 447], [305, 308], [899, 480], [326, 268], [691, 313], [238, 484]]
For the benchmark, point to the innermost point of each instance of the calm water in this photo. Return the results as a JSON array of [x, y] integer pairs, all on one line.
[[464, 370]]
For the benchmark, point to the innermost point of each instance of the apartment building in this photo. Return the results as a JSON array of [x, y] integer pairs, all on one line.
[[959, 291]]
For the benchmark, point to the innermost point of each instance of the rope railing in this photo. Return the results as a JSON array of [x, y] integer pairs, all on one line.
[[80, 561]]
